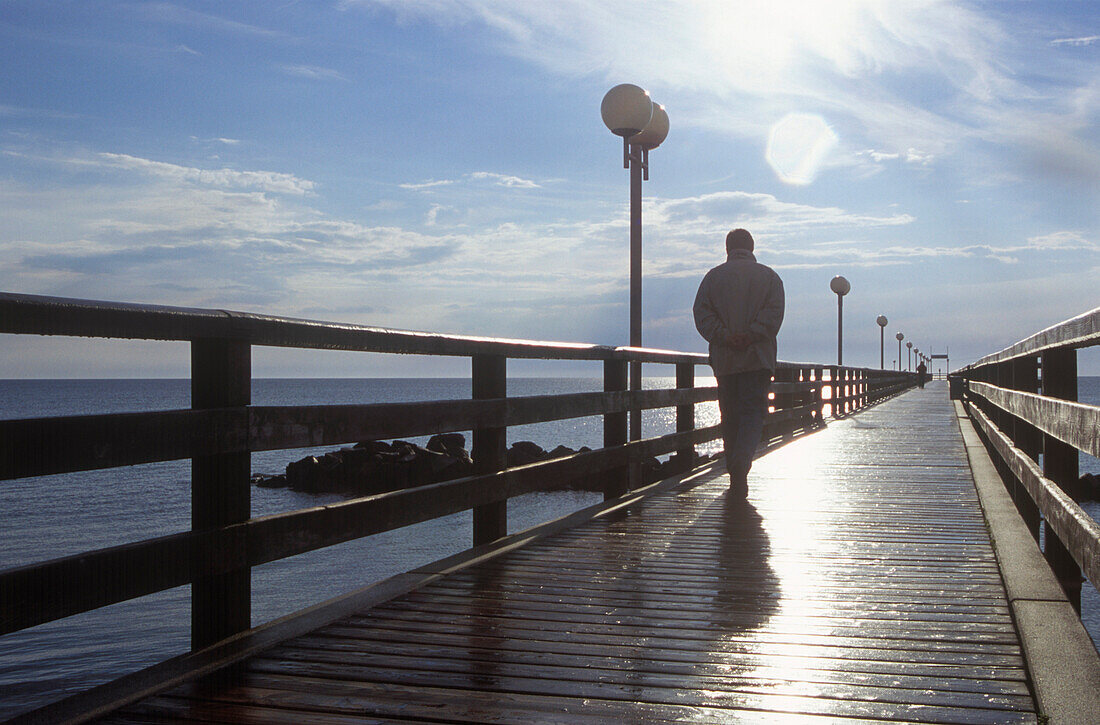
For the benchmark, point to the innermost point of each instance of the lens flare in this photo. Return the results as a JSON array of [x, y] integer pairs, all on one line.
[[798, 146]]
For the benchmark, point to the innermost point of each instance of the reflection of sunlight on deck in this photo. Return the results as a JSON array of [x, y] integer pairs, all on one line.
[[786, 486]]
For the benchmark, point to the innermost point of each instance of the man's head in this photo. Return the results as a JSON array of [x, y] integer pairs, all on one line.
[[739, 239]]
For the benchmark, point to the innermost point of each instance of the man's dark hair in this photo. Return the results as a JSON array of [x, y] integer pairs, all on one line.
[[739, 239]]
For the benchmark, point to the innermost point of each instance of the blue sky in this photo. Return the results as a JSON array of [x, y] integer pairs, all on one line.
[[441, 165]]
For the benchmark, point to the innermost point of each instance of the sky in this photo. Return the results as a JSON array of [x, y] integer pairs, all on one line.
[[442, 165]]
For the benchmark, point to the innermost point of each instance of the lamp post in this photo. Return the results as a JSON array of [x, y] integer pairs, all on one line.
[[909, 345], [842, 287], [899, 337], [628, 111], [881, 320]]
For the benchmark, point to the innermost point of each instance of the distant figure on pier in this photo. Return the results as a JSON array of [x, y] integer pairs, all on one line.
[[738, 310], [922, 372]]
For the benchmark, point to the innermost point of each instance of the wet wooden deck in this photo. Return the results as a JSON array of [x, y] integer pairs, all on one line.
[[857, 584]]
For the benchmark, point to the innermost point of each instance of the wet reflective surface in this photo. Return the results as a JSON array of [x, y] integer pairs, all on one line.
[[855, 584]]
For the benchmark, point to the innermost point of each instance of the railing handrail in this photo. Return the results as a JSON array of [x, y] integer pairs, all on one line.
[[63, 316], [1080, 331], [42, 315]]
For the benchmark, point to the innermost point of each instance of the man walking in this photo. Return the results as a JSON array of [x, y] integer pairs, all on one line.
[[738, 310]]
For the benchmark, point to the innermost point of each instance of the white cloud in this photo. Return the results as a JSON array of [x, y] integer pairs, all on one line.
[[217, 140], [505, 180], [426, 184], [1087, 40], [913, 156], [1062, 240], [764, 212], [272, 181], [312, 72], [879, 156], [432, 217], [17, 111]]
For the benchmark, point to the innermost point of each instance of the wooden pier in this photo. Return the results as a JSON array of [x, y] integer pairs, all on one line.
[[857, 582], [884, 567]]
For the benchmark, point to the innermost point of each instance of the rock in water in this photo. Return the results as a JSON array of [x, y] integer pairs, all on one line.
[[523, 452]]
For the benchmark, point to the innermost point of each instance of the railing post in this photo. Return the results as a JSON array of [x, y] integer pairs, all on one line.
[[1002, 376], [805, 398], [615, 428], [685, 416], [838, 391], [834, 393], [1024, 376], [1060, 464], [777, 427], [490, 446], [819, 398], [221, 604]]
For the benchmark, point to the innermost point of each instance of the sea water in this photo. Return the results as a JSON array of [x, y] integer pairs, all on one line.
[[52, 516]]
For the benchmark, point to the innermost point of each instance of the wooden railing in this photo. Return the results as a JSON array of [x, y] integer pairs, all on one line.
[[1023, 400], [222, 428]]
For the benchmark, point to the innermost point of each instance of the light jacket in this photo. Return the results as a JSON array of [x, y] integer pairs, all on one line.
[[740, 296]]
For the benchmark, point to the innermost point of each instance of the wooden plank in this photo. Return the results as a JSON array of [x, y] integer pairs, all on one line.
[[588, 680], [1061, 464], [42, 446], [490, 447], [221, 493], [685, 416], [733, 631], [169, 711], [42, 592], [615, 429], [1076, 424], [477, 706], [338, 694], [654, 658], [39, 315]]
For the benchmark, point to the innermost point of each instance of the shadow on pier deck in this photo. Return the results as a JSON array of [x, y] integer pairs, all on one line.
[[858, 582]]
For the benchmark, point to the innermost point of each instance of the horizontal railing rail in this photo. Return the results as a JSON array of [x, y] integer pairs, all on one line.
[[33, 314], [1073, 423], [88, 442], [1023, 400], [222, 429]]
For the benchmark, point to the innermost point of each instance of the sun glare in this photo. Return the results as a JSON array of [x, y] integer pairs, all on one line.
[[757, 41]]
